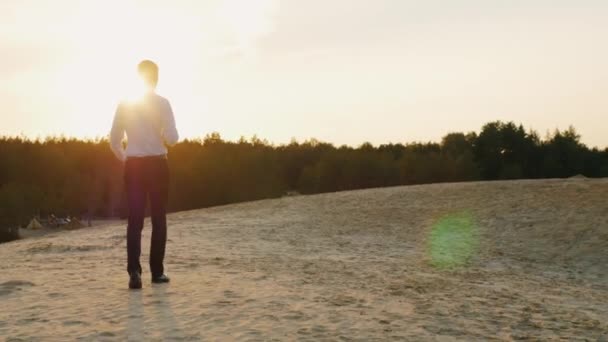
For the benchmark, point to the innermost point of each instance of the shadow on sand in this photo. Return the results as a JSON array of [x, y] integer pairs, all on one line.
[[164, 316], [161, 321], [135, 317]]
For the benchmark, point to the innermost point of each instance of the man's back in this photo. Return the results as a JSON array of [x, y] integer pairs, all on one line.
[[149, 125]]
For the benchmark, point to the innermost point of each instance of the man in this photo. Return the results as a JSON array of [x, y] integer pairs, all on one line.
[[149, 125]]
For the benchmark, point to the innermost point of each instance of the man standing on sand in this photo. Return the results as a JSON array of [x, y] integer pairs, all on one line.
[[149, 125]]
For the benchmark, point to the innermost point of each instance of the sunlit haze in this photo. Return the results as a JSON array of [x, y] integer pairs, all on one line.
[[342, 71]]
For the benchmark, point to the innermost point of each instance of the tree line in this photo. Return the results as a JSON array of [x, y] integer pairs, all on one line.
[[70, 177]]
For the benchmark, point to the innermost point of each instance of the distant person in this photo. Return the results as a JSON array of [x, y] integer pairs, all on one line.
[[149, 125], [52, 221]]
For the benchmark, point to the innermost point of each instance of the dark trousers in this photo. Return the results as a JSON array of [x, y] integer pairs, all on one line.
[[147, 178]]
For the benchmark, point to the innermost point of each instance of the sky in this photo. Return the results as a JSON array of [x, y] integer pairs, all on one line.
[[341, 71]]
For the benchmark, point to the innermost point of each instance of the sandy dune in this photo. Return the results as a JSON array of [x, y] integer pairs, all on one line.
[[471, 261]]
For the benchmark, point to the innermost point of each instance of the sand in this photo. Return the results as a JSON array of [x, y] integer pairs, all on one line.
[[468, 261]]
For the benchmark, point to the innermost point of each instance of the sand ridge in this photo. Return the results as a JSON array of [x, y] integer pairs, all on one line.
[[346, 266]]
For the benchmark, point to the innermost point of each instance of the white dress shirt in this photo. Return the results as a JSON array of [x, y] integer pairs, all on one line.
[[149, 125]]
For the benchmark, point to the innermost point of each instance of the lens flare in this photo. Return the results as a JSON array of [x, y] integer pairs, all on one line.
[[453, 240]]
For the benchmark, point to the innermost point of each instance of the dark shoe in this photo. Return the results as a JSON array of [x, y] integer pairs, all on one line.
[[160, 279], [135, 280]]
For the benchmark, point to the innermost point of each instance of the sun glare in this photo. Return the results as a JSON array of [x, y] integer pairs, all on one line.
[[247, 19], [100, 68]]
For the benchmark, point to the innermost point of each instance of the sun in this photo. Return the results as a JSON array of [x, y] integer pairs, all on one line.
[[100, 68], [132, 90]]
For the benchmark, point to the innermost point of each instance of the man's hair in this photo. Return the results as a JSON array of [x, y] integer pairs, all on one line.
[[148, 71]]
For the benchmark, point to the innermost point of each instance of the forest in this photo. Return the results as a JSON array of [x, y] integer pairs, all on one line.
[[82, 178]]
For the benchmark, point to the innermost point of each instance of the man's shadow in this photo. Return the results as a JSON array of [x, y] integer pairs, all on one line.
[[162, 309], [166, 325], [135, 317]]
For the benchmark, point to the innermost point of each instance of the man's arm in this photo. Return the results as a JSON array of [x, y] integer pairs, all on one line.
[[117, 134], [169, 132]]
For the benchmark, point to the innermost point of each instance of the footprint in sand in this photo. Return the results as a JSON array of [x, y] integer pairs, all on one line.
[[11, 286], [231, 294], [44, 248], [223, 303], [229, 297], [342, 300], [74, 322], [295, 315]]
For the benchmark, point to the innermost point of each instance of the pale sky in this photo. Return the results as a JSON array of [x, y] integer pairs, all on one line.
[[342, 71]]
